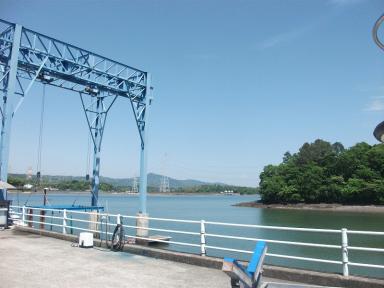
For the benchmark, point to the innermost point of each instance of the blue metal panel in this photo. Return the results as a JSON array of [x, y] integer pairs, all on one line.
[[256, 256], [229, 260], [238, 265]]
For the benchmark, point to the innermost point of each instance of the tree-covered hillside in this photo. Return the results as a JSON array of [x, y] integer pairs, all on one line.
[[73, 183], [322, 172], [79, 183]]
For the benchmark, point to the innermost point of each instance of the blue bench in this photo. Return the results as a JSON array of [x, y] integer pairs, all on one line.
[[246, 276]]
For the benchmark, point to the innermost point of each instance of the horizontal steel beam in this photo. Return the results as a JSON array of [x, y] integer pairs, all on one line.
[[70, 67]]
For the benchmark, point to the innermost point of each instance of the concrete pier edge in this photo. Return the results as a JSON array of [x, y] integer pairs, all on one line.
[[283, 273]]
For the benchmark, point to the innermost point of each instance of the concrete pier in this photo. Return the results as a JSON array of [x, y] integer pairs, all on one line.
[[30, 259], [142, 230]]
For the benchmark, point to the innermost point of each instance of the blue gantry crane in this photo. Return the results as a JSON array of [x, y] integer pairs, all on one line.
[[27, 57]]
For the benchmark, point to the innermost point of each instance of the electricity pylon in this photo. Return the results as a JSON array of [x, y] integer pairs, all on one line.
[[134, 185], [164, 185]]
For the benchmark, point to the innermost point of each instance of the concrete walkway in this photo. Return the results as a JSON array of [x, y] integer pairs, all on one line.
[[28, 260]]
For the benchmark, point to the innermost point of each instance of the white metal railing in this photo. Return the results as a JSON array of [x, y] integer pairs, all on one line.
[[67, 223]]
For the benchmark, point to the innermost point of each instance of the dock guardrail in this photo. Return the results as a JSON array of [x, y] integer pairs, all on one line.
[[65, 223]]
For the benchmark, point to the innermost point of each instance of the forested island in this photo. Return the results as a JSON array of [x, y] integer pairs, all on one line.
[[321, 172], [216, 188]]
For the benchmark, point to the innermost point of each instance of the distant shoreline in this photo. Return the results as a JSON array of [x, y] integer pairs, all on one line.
[[127, 194], [316, 207]]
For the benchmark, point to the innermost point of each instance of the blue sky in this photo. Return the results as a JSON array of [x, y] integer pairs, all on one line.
[[237, 83]]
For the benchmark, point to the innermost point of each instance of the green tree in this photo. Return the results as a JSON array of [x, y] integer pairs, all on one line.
[[317, 152], [338, 148], [325, 172], [287, 157], [16, 181]]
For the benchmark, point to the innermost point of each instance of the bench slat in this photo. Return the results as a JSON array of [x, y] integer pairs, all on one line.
[[256, 257]]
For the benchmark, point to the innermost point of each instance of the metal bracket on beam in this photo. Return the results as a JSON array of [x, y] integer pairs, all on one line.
[[29, 86]]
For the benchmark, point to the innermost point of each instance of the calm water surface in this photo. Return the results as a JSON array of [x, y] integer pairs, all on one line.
[[219, 208]]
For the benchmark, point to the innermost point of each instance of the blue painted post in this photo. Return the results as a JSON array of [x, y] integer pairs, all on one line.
[[144, 150], [8, 109], [96, 154]]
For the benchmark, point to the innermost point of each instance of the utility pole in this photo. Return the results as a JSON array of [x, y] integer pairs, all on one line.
[[164, 180]]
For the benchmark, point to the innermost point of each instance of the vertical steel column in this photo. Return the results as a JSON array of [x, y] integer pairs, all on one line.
[[96, 152], [8, 108], [144, 149]]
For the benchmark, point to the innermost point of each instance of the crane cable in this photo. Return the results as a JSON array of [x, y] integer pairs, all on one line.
[[40, 145], [88, 160], [375, 32]]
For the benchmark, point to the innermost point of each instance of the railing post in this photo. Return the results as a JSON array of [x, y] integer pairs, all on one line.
[[42, 219], [202, 238], [118, 222], [30, 217], [94, 223], [23, 216], [142, 224], [64, 221], [344, 249]]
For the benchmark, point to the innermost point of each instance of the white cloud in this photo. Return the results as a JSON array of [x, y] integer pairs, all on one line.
[[376, 104], [289, 36], [293, 34], [284, 37]]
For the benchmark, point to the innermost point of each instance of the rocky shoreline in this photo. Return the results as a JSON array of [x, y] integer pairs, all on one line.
[[316, 207]]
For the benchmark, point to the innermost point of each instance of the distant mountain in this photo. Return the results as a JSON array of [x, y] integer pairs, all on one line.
[[153, 180]]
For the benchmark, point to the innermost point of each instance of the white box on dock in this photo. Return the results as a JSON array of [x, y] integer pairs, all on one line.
[[3, 216], [86, 240]]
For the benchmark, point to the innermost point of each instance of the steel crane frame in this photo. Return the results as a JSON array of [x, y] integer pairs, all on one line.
[[27, 57]]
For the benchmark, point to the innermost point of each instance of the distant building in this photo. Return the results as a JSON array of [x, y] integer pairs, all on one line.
[[28, 186], [227, 192]]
